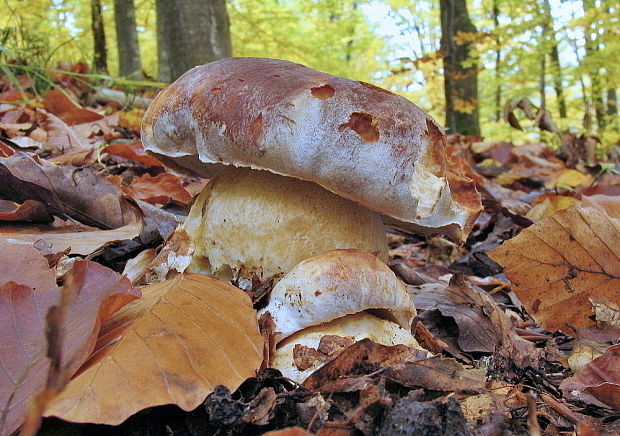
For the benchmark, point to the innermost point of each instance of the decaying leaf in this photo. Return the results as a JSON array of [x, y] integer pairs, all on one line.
[[30, 210], [74, 239], [162, 189], [184, 337], [66, 191], [599, 381], [26, 297], [483, 326], [557, 264], [134, 152]]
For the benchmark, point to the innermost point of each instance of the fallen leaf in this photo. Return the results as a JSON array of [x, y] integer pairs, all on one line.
[[557, 264], [483, 326], [57, 103], [95, 292], [76, 158], [134, 152], [609, 203], [290, 431], [438, 374], [162, 189], [362, 358], [572, 178], [606, 313], [548, 204], [66, 191], [30, 210], [598, 382], [131, 119], [173, 346], [58, 239], [60, 137]]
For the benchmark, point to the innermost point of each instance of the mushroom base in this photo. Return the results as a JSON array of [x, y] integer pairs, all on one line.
[[311, 354], [250, 223]]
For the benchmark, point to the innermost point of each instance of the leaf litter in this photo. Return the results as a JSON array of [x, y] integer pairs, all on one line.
[[521, 321]]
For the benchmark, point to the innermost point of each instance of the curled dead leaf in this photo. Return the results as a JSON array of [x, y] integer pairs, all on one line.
[[557, 264], [183, 338]]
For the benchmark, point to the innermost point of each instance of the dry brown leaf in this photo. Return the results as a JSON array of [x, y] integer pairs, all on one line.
[[162, 189], [483, 326], [77, 158], [75, 240], [60, 136], [66, 191], [184, 337], [29, 292], [362, 358], [559, 262], [59, 104], [598, 382], [30, 210], [134, 152], [609, 203]]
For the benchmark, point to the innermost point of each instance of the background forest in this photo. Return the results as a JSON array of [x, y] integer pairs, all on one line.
[[560, 54]]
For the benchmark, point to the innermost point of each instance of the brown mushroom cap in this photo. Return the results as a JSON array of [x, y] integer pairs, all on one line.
[[359, 141]]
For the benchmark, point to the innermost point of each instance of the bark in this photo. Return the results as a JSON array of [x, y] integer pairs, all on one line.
[[460, 82], [543, 82], [498, 60], [127, 39], [190, 33], [612, 102], [557, 79], [556, 69], [100, 60], [592, 47]]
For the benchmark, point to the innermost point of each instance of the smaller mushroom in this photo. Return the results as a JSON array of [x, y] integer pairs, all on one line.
[[331, 300]]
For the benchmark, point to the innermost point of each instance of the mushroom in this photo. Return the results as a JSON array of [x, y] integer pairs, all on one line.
[[321, 157], [331, 300]]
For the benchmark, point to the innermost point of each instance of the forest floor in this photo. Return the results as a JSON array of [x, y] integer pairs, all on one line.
[[522, 322]]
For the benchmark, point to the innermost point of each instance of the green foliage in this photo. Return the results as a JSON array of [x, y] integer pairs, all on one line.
[[342, 37]]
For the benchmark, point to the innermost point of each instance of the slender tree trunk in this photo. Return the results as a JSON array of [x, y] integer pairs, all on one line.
[[557, 79], [127, 39], [460, 82], [543, 82], [498, 62], [612, 102], [555, 59], [100, 61], [595, 79], [190, 33]]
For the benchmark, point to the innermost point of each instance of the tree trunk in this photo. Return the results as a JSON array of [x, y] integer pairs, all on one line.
[[190, 33], [612, 102], [543, 82], [556, 70], [127, 39], [100, 60], [595, 78], [460, 82], [498, 60], [557, 79]]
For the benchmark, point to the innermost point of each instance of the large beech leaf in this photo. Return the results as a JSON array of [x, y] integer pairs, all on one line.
[[27, 293], [183, 338], [66, 191], [559, 262]]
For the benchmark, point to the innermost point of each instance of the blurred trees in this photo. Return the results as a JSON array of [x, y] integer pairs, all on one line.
[[190, 33], [562, 54], [100, 50], [129, 64], [460, 68]]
